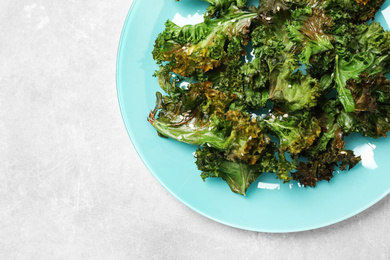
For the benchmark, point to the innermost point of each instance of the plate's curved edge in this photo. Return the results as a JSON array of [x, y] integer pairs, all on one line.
[[129, 132]]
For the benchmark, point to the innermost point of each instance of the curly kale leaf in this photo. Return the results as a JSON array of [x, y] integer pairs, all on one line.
[[328, 150], [307, 29], [203, 46], [361, 91], [271, 39], [201, 119], [256, 83], [371, 116], [284, 167], [296, 132], [238, 174], [327, 118], [168, 83], [250, 141], [219, 8], [359, 10], [272, 7], [185, 122], [249, 81], [289, 86], [322, 165], [369, 52], [346, 69], [372, 38]]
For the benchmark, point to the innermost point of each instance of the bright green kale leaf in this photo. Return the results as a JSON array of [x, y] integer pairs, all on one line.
[[256, 83], [203, 46], [346, 69], [271, 39], [200, 119], [185, 122], [307, 29], [250, 141], [248, 81], [327, 118], [284, 167], [296, 132], [289, 86], [168, 83], [371, 38], [371, 116], [239, 175], [359, 10], [273, 6], [219, 8]]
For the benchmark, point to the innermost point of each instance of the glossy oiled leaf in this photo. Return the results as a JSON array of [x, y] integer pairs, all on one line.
[[308, 29], [346, 70], [203, 46], [238, 175]]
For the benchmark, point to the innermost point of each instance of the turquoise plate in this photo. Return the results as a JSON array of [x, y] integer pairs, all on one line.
[[269, 206]]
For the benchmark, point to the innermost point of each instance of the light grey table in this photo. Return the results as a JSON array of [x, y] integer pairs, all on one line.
[[72, 185]]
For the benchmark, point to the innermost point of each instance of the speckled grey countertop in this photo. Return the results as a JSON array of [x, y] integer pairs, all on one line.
[[71, 184]]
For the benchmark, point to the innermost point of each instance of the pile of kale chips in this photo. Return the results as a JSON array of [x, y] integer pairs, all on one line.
[[318, 65]]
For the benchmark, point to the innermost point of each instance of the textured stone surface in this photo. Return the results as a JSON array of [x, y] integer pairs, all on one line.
[[71, 184]]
